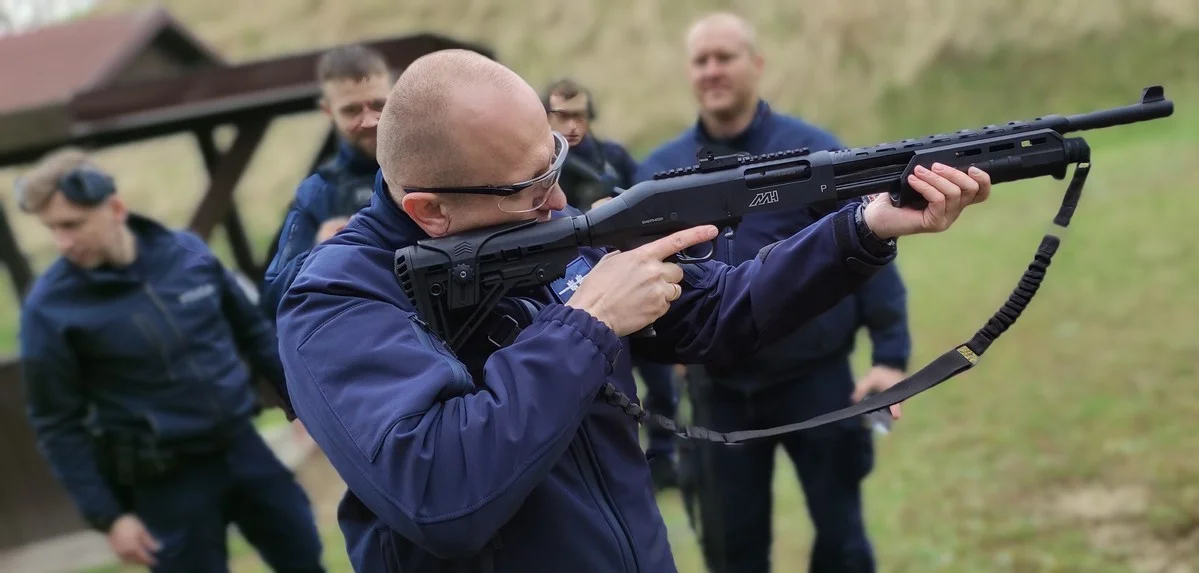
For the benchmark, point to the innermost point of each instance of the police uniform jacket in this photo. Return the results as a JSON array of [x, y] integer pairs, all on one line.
[[508, 459], [152, 348]]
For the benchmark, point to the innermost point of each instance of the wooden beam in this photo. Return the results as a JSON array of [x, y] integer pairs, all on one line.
[[239, 242], [19, 270], [202, 86], [218, 199]]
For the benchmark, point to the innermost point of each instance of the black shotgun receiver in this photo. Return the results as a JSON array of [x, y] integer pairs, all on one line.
[[455, 281]]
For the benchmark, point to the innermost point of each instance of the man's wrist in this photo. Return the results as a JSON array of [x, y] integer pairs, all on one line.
[[102, 523], [873, 243], [894, 364]]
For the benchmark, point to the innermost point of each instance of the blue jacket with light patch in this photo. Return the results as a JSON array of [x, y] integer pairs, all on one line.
[[153, 347], [880, 304], [339, 188], [508, 459]]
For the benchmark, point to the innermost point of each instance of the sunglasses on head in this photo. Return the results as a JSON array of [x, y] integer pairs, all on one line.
[[85, 186]]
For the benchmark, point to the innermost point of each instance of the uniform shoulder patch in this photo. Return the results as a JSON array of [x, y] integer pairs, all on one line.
[[565, 287]]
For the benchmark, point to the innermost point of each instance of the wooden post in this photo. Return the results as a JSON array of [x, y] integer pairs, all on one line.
[[19, 271]]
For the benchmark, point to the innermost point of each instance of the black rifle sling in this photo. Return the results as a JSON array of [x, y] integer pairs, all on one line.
[[948, 365]]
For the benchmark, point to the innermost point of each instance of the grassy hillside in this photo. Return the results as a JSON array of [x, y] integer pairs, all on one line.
[[1070, 447]]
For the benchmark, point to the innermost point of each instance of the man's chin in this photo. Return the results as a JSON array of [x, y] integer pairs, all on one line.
[[83, 263]]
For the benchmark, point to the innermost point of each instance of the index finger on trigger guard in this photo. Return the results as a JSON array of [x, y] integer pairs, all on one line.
[[680, 240]]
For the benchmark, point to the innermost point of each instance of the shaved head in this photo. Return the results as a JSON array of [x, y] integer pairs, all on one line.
[[452, 120], [725, 67], [725, 24], [456, 118]]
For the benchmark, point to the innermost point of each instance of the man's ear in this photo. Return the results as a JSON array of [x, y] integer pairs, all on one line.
[[324, 104], [120, 211], [428, 211]]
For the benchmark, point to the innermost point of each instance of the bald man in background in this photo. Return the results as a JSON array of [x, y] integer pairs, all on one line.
[[505, 457], [804, 375]]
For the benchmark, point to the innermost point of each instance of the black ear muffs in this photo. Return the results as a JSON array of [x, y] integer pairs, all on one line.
[[86, 186]]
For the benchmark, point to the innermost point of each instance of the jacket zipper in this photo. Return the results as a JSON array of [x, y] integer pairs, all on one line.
[[143, 324], [212, 403], [591, 474]]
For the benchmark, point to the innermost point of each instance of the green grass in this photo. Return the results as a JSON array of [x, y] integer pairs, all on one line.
[[1070, 447]]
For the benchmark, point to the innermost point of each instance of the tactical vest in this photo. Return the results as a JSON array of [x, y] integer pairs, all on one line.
[[352, 189], [584, 182]]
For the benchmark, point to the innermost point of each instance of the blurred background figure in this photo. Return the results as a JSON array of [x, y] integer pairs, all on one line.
[[799, 377], [131, 348], [354, 84]]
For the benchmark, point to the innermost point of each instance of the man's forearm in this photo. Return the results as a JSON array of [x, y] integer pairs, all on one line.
[[726, 313], [75, 462]]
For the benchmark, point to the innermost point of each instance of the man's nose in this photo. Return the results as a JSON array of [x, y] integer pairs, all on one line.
[[557, 199], [370, 119], [63, 242]]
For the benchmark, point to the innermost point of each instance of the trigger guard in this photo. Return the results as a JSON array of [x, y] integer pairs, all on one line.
[[682, 257]]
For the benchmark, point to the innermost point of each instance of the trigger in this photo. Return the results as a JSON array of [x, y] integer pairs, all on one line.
[[729, 233]]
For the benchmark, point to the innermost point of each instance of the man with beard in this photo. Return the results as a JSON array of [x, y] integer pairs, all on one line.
[[355, 81], [595, 170]]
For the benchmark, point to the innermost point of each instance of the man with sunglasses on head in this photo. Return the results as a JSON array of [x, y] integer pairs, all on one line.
[[354, 83], [595, 170], [141, 403], [505, 456]]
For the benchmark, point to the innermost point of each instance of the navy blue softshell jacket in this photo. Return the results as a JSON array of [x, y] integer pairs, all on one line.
[[524, 467], [155, 346], [338, 189], [880, 304]]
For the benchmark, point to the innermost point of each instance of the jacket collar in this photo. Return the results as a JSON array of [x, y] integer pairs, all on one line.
[[151, 237], [741, 141], [387, 219], [589, 149], [353, 159]]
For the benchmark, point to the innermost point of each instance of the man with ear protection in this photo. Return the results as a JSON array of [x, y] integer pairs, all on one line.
[[130, 347], [594, 171]]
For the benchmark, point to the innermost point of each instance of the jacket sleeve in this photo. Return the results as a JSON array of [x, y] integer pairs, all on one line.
[[254, 335], [882, 304], [296, 238], [442, 459], [57, 406], [728, 312]]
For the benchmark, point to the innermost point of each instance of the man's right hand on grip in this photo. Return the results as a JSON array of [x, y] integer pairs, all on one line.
[[630, 290]]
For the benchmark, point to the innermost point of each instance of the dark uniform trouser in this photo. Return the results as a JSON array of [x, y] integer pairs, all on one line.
[[248, 486], [733, 483], [660, 398]]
